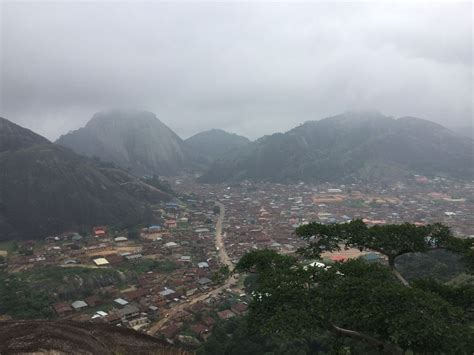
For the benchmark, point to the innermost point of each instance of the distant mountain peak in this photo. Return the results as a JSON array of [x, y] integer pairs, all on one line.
[[363, 113], [214, 143], [216, 131], [132, 139], [123, 114], [360, 116]]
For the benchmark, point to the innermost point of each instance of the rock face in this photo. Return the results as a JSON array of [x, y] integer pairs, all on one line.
[[45, 189], [67, 337], [134, 140], [351, 146], [215, 143]]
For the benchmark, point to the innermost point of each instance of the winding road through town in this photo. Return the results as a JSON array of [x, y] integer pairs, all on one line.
[[223, 259]]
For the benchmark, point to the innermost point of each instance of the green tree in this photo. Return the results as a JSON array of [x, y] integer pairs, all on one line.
[[391, 240], [221, 275], [363, 307], [461, 296], [233, 338], [19, 300]]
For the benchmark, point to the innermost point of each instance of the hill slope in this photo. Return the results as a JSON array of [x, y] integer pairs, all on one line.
[[353, 145], [46, 189], [13, 137], [134, 140], [215, 143]]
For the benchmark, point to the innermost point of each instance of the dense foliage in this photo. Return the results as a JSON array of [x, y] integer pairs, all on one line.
[[19, 299], [233, 337], [357, 300], [391, 240], [64, 283], [29, 294], [354, 306]]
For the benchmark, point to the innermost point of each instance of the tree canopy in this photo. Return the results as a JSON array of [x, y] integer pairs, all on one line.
[[391, 240], [364, 307]]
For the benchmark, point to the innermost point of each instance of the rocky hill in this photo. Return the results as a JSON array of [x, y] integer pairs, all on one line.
[[215, 143], [45, 188], [351, 146], [13, 137], [134, 140], [87, 338]]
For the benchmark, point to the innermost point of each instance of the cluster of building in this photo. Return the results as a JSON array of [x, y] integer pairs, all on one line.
[[167, 284], [166, 265], [265, 215]]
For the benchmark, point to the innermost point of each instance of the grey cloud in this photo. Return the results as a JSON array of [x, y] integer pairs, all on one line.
[[251, 68]]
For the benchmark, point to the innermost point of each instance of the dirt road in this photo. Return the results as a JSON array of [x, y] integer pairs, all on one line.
[[223, 258], [181, 306]]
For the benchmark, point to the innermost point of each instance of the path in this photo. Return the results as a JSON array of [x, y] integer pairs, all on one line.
[[223, 258]]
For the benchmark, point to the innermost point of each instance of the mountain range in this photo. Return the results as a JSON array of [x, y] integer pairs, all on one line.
[[46, 188], [353, 146], [143, 145], [348, 147]]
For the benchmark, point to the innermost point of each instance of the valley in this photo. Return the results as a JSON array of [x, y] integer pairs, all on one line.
[[171, 280]]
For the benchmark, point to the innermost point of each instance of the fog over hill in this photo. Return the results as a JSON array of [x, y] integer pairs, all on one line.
[[134, 140], [215, 143], [252, 68], [354, 145]]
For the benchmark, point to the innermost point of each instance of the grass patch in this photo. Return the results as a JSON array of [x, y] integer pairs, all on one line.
[[9, 246]]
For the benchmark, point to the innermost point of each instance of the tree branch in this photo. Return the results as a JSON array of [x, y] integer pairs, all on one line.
[[380, 345], [391, 264], [400, 277]]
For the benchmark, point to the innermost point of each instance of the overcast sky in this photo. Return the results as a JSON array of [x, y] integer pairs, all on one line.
[[249, 68]]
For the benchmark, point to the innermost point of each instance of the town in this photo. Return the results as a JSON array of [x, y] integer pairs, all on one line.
[[174, 279]]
